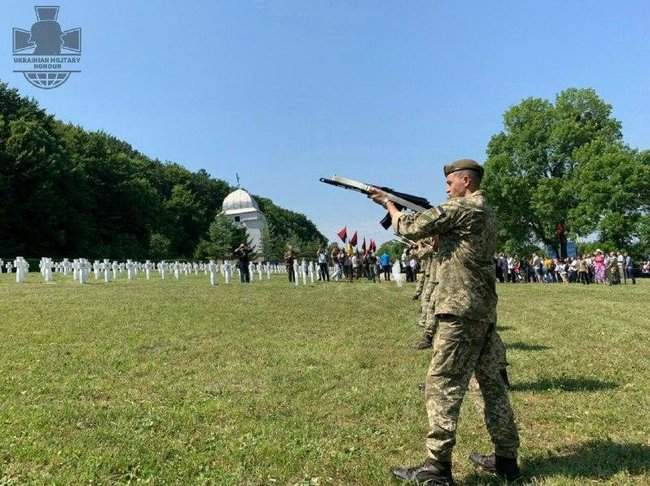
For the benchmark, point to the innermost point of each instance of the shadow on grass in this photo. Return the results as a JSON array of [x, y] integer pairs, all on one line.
[[504, 328], [564, 384], [479, 479], [594, 460], [527, 347]]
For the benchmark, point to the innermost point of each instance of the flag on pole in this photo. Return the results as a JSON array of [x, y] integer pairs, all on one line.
[[363, 246], [373, 245], [353, 240], [343, 234]]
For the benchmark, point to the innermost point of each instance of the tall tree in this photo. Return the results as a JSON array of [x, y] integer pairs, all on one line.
[[223, 237], [531, 164], [69, 192], [394, 248], [611, 184]]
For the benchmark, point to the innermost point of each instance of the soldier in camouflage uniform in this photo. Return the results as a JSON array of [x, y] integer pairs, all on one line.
[[427, 317], [423, 253], [464, 342]]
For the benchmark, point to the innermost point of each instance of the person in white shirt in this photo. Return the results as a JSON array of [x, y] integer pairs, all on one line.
[[356, 265], [413, 263], [323, 270]]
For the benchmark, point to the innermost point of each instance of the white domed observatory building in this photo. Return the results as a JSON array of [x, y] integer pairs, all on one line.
[[242, 210]]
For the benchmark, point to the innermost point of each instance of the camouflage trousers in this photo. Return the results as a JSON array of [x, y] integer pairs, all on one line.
[[427, 307], [498, 351], [463, 347]]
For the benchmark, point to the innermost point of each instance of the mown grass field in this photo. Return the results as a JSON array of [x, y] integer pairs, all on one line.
[[175, 382]]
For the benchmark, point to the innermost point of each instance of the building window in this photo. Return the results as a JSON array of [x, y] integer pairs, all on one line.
[[237, 219]]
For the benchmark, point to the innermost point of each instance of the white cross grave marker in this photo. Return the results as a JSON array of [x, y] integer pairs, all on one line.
[[212, 269]]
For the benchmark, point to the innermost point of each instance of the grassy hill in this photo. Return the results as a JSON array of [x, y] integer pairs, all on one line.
[[175, 382]]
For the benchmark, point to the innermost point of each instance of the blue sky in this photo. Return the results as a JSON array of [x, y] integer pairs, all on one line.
[[285, 92]]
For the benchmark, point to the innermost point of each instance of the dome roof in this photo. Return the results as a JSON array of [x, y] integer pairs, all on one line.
[[238, 200]]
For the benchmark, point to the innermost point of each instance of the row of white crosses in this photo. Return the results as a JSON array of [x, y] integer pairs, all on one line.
[[303, 270], [213, 269], [108, 270]]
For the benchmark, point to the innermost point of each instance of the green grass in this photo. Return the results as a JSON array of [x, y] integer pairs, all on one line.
[[175, 382]]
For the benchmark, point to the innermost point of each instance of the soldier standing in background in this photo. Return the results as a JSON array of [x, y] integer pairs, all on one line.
[[289, 257], [423, 254], [427, 314], [465, 308], [243, 253]]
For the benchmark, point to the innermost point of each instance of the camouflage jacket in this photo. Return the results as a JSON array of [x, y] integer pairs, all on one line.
[[464, 274], [430, 284], [424, 253]]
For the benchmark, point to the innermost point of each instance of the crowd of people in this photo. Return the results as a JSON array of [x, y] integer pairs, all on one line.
[[348, 264], [596, 268]]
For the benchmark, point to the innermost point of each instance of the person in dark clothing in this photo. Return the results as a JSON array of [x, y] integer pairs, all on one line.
[[498, 269], [324, 273], [289, 258], [372, 263], [243, 253], [629, 268]]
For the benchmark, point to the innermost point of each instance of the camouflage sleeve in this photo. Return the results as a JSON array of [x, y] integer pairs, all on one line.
[[433, 221]]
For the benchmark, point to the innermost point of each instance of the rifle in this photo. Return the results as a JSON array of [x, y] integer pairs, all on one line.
[[403, 240], [400, 199], [407, 242]]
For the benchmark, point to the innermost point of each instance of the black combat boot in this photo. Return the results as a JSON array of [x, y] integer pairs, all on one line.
[[425, 343], [416, 296], [504, 467], [431, 473]]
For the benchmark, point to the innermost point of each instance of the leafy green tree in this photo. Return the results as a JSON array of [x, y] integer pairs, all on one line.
[[286, 226], [274, 248], [70, 192], [310, 248], [611, 184], [642, 251], [267, 245], [296, 245], [531, 164], [159, 247], [393, 247], [33, 171], [223, 237], [184, 215]]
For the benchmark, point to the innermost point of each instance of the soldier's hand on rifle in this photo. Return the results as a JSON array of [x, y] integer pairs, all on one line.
[[378, 196]]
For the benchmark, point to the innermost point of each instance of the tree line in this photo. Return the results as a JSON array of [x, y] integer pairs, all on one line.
[[561, 170], [69, 192], [557, 170]]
